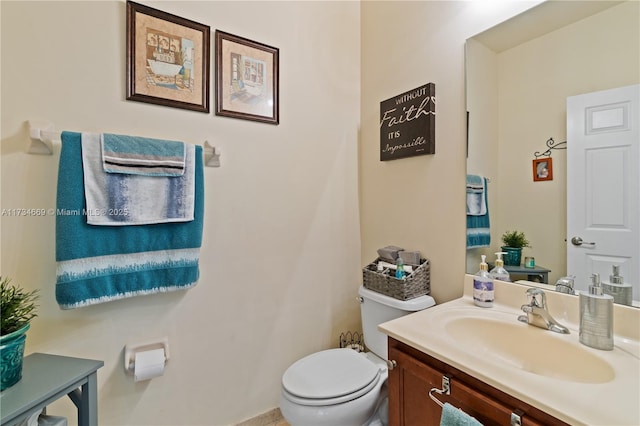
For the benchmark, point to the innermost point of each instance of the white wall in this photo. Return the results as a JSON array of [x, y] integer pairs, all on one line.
[[534, 80], [280, 261]]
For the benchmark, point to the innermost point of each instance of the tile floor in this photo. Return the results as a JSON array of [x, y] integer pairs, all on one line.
[[270, 418]]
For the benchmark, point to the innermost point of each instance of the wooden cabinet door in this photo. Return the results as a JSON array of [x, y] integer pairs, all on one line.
[[410, 405]]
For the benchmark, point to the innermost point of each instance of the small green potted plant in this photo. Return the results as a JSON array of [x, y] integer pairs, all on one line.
[[514, 242], [17, 308]]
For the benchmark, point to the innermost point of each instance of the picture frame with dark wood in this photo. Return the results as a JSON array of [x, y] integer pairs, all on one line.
[[168, 59], [247, 79], [542, 169]]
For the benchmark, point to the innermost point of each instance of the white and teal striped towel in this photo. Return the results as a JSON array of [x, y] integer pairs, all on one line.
[[122, 199], [142, 156], [478, 228]]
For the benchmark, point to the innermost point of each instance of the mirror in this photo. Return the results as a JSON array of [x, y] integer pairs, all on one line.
[[519, 74]]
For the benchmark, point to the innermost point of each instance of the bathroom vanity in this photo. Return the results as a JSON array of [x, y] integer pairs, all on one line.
[[503, 371]]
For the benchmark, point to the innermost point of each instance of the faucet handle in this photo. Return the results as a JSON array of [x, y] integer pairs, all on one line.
[[536, 297]]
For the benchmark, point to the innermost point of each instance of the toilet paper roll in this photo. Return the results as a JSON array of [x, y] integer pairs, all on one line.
[[148, 364]]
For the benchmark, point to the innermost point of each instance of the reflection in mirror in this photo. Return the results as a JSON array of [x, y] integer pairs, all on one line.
[[516, 101]]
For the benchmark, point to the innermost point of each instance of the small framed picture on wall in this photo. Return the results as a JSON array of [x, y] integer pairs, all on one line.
[[246, 79], [168, 59], [542, 169]]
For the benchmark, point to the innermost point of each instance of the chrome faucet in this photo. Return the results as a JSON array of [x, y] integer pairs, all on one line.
[[565, 285], [537, 313]]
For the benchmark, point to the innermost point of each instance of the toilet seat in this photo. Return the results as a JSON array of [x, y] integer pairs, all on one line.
[[330, 377]]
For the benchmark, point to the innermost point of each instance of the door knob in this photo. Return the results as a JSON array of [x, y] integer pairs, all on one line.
[[577, 241]]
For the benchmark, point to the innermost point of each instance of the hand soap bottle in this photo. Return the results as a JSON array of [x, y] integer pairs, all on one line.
[[483, 286], [399, 268], [596, 317], [622, 293], [498, 272]]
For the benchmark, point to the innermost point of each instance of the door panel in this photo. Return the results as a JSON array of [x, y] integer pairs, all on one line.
[[603, 185]]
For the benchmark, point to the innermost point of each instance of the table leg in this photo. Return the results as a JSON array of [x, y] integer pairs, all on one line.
[[88, 408]]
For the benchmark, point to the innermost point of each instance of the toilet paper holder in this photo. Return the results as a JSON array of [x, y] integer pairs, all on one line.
[[131, 350]]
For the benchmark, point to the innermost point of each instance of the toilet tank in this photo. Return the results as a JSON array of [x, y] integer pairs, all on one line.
[[376, 308]]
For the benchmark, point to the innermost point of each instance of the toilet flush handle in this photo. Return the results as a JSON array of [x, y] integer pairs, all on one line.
[[360, 299], [391, 364]]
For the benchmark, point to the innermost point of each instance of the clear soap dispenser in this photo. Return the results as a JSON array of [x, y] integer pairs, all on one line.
[[498, 272], [596, 317], [483, 286]]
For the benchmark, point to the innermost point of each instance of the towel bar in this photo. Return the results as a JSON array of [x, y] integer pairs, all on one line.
[[446, 390], [42, 137]]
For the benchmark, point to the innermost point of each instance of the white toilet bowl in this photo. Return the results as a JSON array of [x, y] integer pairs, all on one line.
[[334, 387], [342, 387]]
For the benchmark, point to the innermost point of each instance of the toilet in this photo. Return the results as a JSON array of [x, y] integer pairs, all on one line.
[[341, 386]]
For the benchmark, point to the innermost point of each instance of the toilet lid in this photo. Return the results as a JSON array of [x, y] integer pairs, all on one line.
[[329, 374]]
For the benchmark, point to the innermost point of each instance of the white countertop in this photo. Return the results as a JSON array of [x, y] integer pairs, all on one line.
[[610, 397]]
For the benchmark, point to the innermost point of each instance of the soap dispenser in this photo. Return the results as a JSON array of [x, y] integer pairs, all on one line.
[[498, 272], [622, 293], [483, 286], [596, 317], [399, 268]]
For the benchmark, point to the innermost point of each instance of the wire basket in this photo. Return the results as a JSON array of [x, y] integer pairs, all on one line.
[[352, 340], [413, 285]]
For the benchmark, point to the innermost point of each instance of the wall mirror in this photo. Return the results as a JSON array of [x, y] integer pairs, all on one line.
[[518, 77]]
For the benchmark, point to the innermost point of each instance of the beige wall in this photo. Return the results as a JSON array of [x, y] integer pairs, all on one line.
[[284, 235], [534, 80], [483, 155], [280, 261], [419, 202]]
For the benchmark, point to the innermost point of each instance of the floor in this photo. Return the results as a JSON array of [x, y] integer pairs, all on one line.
[[270, 418], [281, 422]]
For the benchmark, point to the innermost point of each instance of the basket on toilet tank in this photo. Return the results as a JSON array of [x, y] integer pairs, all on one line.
[[411, 286]]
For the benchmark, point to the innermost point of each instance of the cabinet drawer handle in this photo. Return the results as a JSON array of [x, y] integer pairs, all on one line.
[[391, 364]]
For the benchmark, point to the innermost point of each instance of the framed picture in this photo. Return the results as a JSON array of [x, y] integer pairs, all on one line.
[[168, 60], [246, 79], [542, 169]]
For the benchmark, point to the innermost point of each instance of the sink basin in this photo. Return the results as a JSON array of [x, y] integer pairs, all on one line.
[[529, 348]]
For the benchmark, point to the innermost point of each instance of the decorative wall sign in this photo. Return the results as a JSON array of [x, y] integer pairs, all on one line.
[[246, 79], [408, 124], [542, 169], [168, 59]]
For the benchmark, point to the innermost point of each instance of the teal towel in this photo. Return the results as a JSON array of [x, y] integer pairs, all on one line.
[[97, 264], [451, 416], [142, 156], [478, 226]]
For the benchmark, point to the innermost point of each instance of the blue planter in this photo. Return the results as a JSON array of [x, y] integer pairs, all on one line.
[[512, 255], [11, 354]]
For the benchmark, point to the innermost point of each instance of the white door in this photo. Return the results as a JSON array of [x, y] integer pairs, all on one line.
[[603, 185]]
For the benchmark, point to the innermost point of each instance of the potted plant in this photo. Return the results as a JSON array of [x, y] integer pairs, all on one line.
[[17, 309], [514, 242]]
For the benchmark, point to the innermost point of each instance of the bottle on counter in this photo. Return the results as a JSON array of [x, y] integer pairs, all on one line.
[[483, 286], [399, 268], [596, 317], [622, 293], [498, 272]]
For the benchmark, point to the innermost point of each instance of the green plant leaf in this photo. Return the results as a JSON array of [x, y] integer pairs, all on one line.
[[17, 306]]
